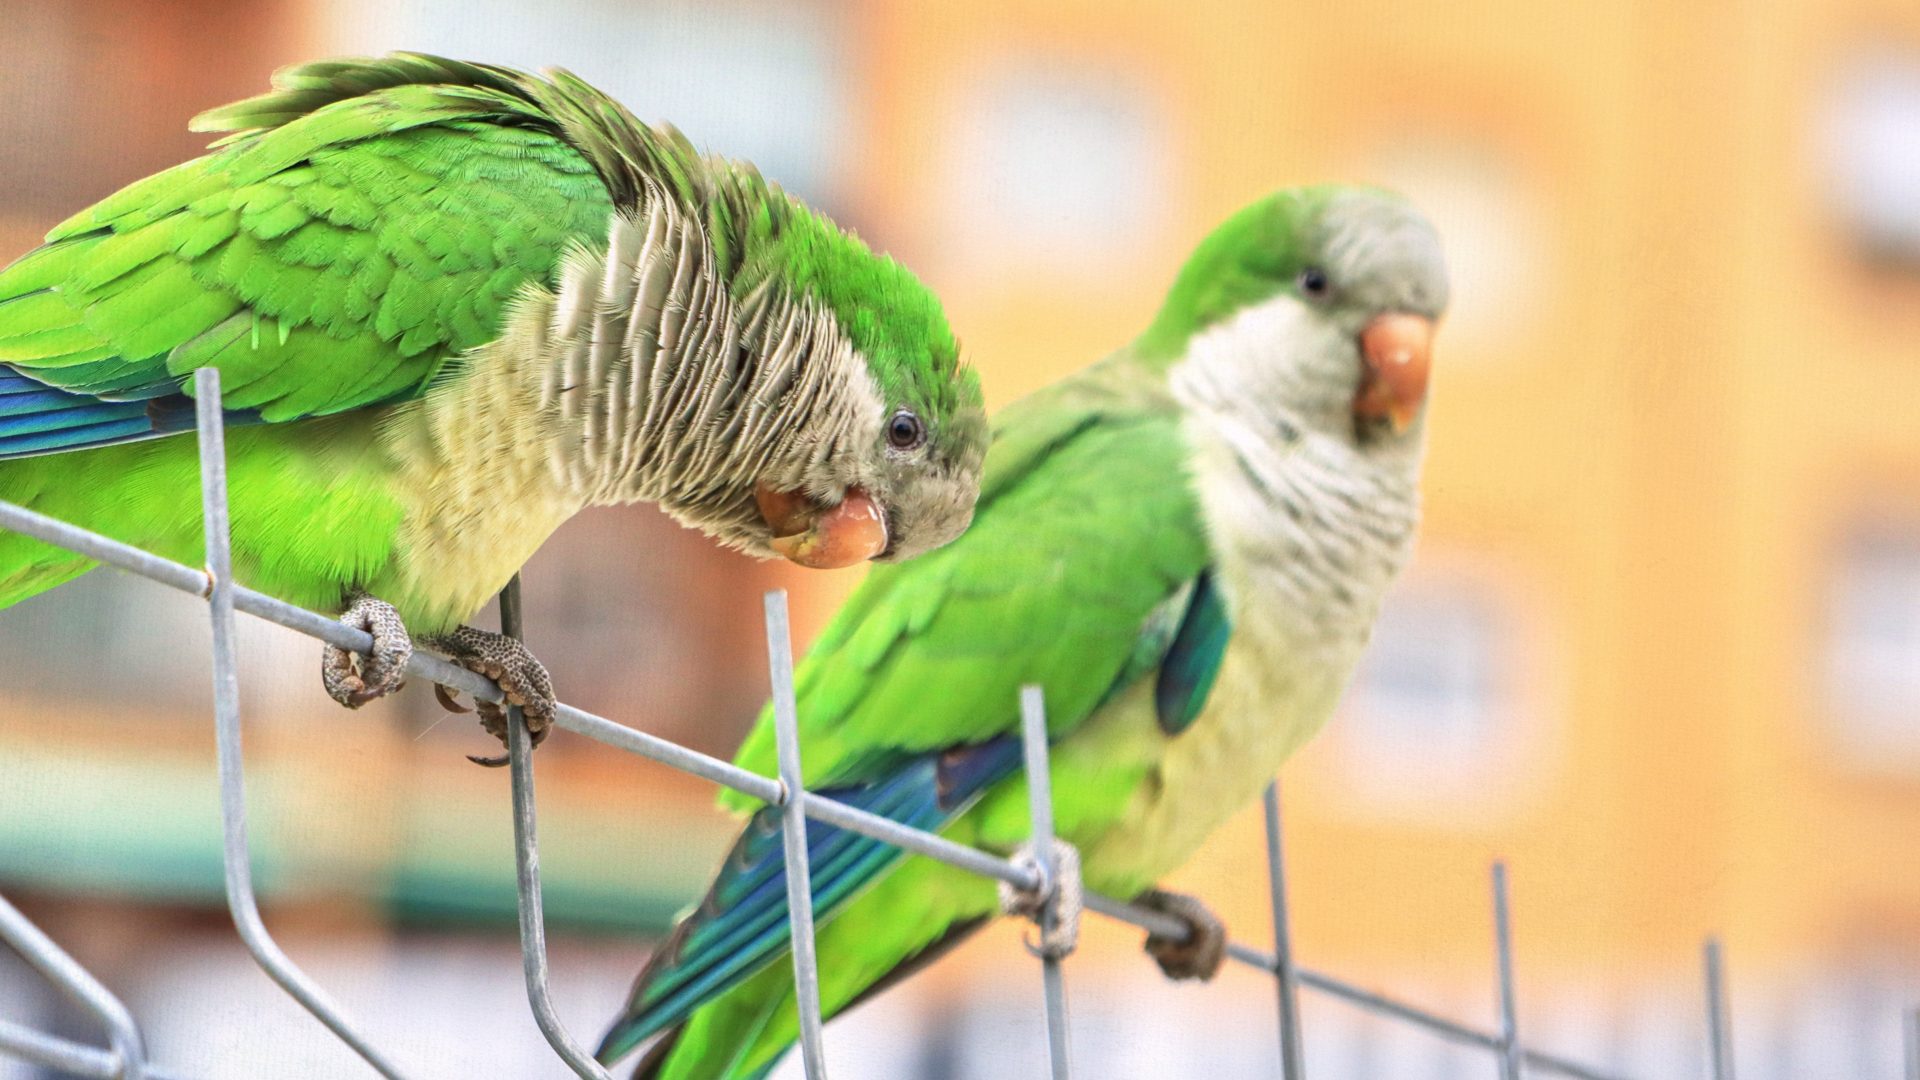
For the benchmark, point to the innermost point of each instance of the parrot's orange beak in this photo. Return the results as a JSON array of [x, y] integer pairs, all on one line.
[[1399, 350], [823, 537]]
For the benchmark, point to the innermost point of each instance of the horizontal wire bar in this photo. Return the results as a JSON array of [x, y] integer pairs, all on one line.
[[726, 774], [1154, 922], [200, 583], [931, 845]]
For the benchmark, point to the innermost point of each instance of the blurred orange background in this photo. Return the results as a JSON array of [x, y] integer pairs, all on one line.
[[1660, 649]]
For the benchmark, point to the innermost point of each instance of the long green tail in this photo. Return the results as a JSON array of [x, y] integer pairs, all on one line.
[[904, 921]]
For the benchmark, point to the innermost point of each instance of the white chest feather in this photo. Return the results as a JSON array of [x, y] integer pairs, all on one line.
[[1308, 530], [638, 379]]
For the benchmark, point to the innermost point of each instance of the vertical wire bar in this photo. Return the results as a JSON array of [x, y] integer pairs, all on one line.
[[1719, 1036], [1510, 1053], [793, 829], [526, 857], [1912, 1026], [63, 971], [1033, 735], [226, 715], [1292, 1066]]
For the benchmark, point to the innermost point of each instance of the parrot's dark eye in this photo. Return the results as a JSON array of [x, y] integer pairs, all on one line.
[[1314, 283], [905, 431]]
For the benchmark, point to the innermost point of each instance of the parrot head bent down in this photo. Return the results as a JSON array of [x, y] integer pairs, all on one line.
[[451, 305], [1184, 545]]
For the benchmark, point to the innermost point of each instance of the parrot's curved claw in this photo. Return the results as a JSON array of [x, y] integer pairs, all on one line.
[[1200, 953], [1061, 891], [522, 678], [352, 679]]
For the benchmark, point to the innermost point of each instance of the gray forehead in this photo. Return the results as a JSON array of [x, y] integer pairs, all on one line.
[[1383, 254]]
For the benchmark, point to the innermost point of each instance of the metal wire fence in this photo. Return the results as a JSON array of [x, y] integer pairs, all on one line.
[[125, 1057]]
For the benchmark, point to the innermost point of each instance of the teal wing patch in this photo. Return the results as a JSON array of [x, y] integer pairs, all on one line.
[[1193, 657]]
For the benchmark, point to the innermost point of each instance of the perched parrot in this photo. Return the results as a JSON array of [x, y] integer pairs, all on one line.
[[452, 304], [1184, 545]]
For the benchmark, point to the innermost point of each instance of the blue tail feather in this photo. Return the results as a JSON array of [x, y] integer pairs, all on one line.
[[36, 418], [50, 420], [80, 438], [742, 925], [741, 907]]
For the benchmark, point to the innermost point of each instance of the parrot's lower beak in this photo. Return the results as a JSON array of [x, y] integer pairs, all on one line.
[[823, 537], [1399, 350]]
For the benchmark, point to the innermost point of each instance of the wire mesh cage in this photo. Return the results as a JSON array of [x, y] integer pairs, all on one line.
[[125, 1056]]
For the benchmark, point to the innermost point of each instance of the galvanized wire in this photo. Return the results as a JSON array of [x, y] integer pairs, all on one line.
[[226, 719], [793, 837], [129, 1057], [1053, 983], [1286, 981], [526, 865], [1719, 1036], [53, 1052], [215, 584], [1510, 1055], [1912, 1040], [185, 579]]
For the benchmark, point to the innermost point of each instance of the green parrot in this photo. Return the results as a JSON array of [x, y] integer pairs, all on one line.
[[451, 305], [1184, 545]]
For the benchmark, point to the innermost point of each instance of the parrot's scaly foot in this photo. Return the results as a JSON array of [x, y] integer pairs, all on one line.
[[1061, 891], [1199, 955], [353, 680], [522, 678]]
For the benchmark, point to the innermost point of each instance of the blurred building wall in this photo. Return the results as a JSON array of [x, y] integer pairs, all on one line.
[[1661, 647]]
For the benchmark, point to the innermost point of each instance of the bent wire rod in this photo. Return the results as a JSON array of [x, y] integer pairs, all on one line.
[[1286, 979], [427, 666], [129, 1057], [1033, 738], [793, 836], [1719, 1036], [53, 1052], [526, 857], [196, 582], [226, 716]]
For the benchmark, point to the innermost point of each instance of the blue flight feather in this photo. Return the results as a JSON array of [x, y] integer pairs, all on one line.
[[1193, 660], [39, 419], [742, 925]]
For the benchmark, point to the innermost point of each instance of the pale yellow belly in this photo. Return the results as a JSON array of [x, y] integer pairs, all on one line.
[[473, 467], [453, 560], [1254, 720]]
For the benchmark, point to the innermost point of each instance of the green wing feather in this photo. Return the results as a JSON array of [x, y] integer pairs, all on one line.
[[367, 221]]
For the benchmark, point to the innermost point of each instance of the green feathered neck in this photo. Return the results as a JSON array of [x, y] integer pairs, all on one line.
[[891, 318], [1252, 256]]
